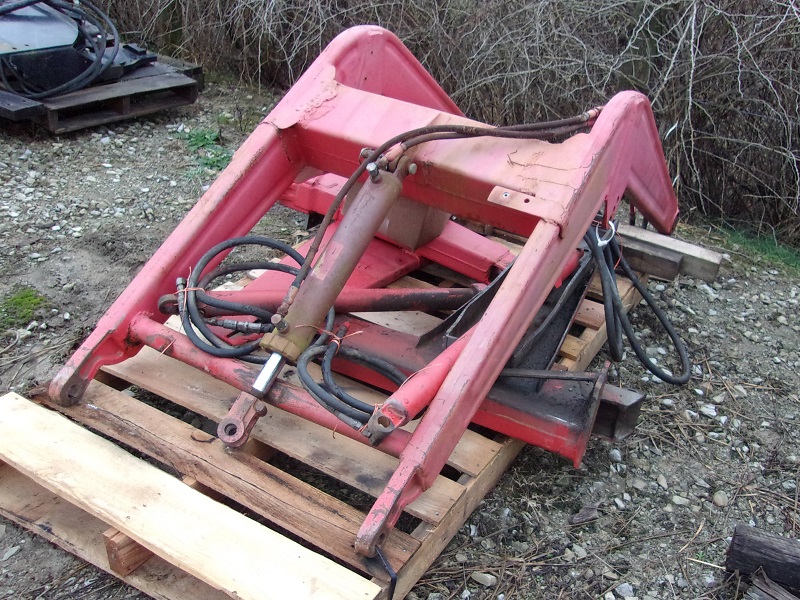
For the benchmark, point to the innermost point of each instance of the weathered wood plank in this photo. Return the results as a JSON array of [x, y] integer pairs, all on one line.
[[752, 549], [590, 314], [662, 263], [283, 499], [696, 261], [161, 513], [125, 554], [340, 457], [47, 515], [763, 588], [165, 81]]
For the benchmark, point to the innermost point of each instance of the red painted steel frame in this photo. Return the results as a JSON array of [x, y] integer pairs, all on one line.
[[362, 90]]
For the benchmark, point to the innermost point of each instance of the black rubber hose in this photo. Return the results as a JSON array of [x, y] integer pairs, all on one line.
[[524, 134], [191, 316], [375, 363], [323, 396], [580, 119], [378, 365], [613, 306], [236, 308], [94, 17], [608, 282], [249, 265], [242, 352], [683, 352], [333, 387], [609, 285], [12, 6]]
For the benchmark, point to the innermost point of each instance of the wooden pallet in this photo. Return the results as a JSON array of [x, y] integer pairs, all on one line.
[[164, 84], [70, 485]]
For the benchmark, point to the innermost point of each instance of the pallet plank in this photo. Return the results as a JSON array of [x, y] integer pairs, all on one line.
[[337, 456], [577, 352], [283, 499], [590, 314], [99, 93], [662, 263], [46, 514], [412, 322], [62, 123], [236, 556], [150, 88], [473, 452], [19, 108], [125, 554], [595, 290]]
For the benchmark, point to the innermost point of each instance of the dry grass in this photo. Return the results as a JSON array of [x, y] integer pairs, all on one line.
[[723, 75]]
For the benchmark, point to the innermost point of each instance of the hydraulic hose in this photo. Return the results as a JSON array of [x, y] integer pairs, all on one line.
[[378, 365], [329, 394], [84, 13], [191, 292], [616, 318], [352, 416]]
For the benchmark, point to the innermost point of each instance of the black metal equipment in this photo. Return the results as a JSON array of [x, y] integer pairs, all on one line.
[[53, 47]]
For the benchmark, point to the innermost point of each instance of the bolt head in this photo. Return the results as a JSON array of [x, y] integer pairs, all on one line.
[[373, 172]]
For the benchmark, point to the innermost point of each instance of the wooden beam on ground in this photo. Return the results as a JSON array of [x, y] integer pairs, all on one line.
[[752, 549], [204, 538], [658, 262], [655, 252]]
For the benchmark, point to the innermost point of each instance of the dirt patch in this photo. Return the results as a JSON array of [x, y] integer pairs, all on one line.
[[80, 214]]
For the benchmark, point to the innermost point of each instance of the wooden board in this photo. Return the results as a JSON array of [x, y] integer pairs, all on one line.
[[146, 90], [48, 515], [654, 251], [236, 555]]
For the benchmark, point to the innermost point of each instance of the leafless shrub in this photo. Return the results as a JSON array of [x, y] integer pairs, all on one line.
[[723, 75]]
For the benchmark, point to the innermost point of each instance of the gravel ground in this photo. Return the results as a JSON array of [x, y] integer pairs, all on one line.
[[81, 213]]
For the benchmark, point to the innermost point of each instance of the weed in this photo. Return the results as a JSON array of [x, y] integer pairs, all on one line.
[[224, 118], [216, 158], [17, 309], [198, 139], [211, 155]]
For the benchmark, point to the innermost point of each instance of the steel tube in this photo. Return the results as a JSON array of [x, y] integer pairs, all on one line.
[[349, 300]]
